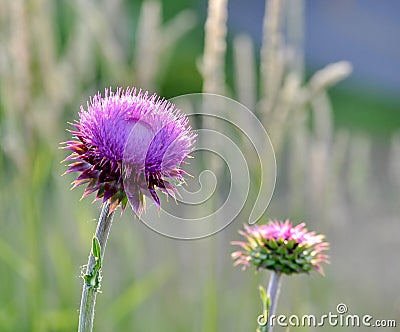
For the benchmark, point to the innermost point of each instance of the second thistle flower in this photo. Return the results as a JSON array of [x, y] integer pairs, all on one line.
[[281, 247]]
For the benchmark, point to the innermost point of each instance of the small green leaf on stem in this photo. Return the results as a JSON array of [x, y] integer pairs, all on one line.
[[263, 294], [96, 249], [93, 278], [266, 302]]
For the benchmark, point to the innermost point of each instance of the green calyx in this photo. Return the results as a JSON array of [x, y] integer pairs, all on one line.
[[284, 256]]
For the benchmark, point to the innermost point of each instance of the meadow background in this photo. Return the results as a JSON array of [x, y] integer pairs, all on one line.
[[337, 146]]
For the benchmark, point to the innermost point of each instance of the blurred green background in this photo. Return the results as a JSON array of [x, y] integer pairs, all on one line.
[[343, 179]]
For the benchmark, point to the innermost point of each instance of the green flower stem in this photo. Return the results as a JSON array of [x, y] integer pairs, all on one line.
[[273, 294], [92, 278]]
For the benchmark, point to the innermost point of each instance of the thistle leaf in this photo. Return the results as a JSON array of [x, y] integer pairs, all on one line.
[[96, 249], [263, 294]]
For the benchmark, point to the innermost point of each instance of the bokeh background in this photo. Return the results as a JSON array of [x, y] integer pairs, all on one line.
[[335, 130]]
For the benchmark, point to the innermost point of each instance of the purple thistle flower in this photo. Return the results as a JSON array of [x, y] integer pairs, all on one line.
[[281, 247], [126, 145]]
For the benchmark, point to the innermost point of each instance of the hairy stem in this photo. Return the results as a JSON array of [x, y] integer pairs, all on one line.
[[273, 294], [89, 291]]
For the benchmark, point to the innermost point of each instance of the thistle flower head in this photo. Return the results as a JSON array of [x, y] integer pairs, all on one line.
[[281, 247], [128, 144]]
